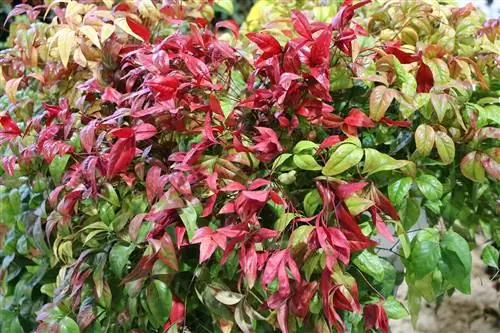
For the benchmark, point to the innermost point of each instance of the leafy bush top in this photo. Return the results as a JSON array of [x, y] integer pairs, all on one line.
[[162, 172]]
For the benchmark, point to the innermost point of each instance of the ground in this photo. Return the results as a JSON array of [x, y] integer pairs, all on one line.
[[475, 313]]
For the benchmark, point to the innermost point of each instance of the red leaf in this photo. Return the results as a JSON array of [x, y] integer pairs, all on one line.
[[259, 182], [139, 29], [111, 95], [271, 270], [260, 196], [122, 133], [233, 186], [395, 123], [283, 318], [301, 24], [329, 141], [425, 80], [345, 190], [121, 155], [8, 164], [376, 317], [87, 136], [196, 67], [216, 108], [299, 304], [357, 118], [144, 131], [384, 204], [394, 47], [176, 314], [153, 189], [320, 51], [9, 126], [167, 252], [266, 43], [166, 87], [380, 225], [346, 13], [229, 24]]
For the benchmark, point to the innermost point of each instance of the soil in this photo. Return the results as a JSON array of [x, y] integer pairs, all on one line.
[[475, 313]]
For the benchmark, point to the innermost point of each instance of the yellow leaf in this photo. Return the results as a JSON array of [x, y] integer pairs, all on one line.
[[121, 23], [148, 9], [11, 89], [73, 10], [53, 4], [79, 58], [106, 31], [109, 3], [91, 34], [2, 80], [380, 100], [66, 41]]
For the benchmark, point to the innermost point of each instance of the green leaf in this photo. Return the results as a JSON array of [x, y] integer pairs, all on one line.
[[110, 195], [306, 162], [159, 300], [376, 161], [225, 6], [118, 257], [398, 191], [357, 205], [424, 139], [288, 178], [407, 80], [414, 303], [370, 264], [340, 77], [58, 166], [283, 221], [425, 252], [429, 286], [300, 234], [106, 213], [380, 100], [345, 157], [439, 69], [445, 147], [304, 145], [312, 200], [394, 308], [440, 104], [14, 326], [280, 160], [189, 216], [409, 213], [228, 297], [403, 238], [472, 168], [430, 187], [68, 325], [456, 261], [490, 256]]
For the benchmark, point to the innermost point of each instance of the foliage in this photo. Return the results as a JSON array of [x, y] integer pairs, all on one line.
[[162, 172]]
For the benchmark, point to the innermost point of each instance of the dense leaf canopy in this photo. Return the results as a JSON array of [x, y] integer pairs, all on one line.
[[165, 171]]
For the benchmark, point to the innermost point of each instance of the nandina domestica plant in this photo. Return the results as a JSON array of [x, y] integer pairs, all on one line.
[[164, 172]]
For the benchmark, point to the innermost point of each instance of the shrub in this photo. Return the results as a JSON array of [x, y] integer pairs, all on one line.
[[163, 172]]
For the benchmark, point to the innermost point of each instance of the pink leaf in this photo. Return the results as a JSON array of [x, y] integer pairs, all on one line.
[[301, 24], [144, 131]]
